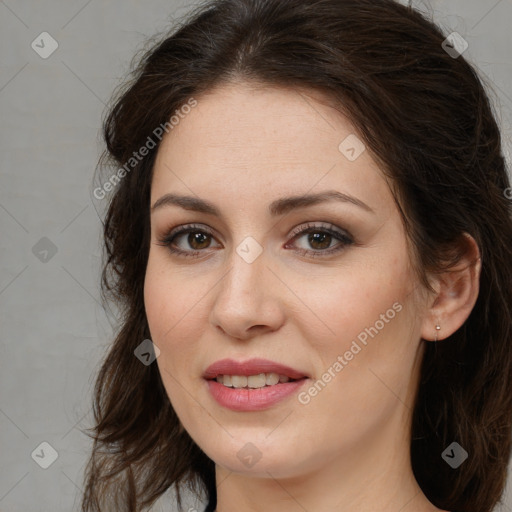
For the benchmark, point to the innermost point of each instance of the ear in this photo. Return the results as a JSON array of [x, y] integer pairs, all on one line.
[[456, 293]]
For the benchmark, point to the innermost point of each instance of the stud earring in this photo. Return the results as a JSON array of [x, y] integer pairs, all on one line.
[[438, 328]]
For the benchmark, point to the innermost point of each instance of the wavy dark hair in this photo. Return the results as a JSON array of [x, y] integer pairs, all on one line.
[[428, 121]]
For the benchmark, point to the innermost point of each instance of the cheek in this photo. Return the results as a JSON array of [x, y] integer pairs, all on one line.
[[366, 345], [171, 304], [366, 375], [171, 310], [363, 305], [369, 351]]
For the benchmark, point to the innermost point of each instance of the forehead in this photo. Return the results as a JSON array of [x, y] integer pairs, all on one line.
[[254, 141], [240, 121]]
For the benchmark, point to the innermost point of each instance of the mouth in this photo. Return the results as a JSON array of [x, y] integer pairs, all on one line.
[[252, 374], [258, 381], [253, 385]]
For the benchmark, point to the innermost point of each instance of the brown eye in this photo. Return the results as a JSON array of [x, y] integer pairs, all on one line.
[[198, 240], [319, 240]]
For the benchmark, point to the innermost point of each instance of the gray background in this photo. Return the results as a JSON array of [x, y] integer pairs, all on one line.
[[53, 328]]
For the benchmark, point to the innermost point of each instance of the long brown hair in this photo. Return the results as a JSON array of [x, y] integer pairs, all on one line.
[[425, 116]]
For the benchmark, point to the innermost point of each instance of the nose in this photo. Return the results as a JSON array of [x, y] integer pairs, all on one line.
[[247, 301]]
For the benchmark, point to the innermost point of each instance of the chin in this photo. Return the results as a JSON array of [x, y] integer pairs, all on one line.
[[259, 459]]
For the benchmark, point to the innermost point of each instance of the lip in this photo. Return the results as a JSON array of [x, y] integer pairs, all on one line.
[[250, 367], [245, 400], [251, 399]]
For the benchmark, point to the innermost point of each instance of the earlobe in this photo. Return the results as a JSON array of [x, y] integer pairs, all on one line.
[[456, 294]]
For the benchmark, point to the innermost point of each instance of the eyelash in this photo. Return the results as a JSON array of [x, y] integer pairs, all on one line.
[[342, 236]]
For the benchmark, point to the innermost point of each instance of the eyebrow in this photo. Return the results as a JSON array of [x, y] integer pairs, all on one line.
[[276, 208]]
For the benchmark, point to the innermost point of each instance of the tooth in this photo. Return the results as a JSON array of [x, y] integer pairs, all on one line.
[[256, 381], [239, 381], [252, 381], [271, 379]]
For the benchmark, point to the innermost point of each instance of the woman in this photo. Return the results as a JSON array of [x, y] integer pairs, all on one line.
[[311, 242]]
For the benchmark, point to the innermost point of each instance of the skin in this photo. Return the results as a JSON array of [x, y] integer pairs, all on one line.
[[240, 148]]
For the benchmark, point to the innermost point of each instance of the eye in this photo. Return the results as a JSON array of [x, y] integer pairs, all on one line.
[[319, 238], [198, 238]]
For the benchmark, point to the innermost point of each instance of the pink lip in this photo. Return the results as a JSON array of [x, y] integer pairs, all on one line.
[[251, 399]]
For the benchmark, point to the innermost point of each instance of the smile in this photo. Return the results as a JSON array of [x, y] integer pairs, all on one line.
[[260, 380]]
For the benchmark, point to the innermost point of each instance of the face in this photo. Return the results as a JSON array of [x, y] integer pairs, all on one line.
[[324, 287]]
